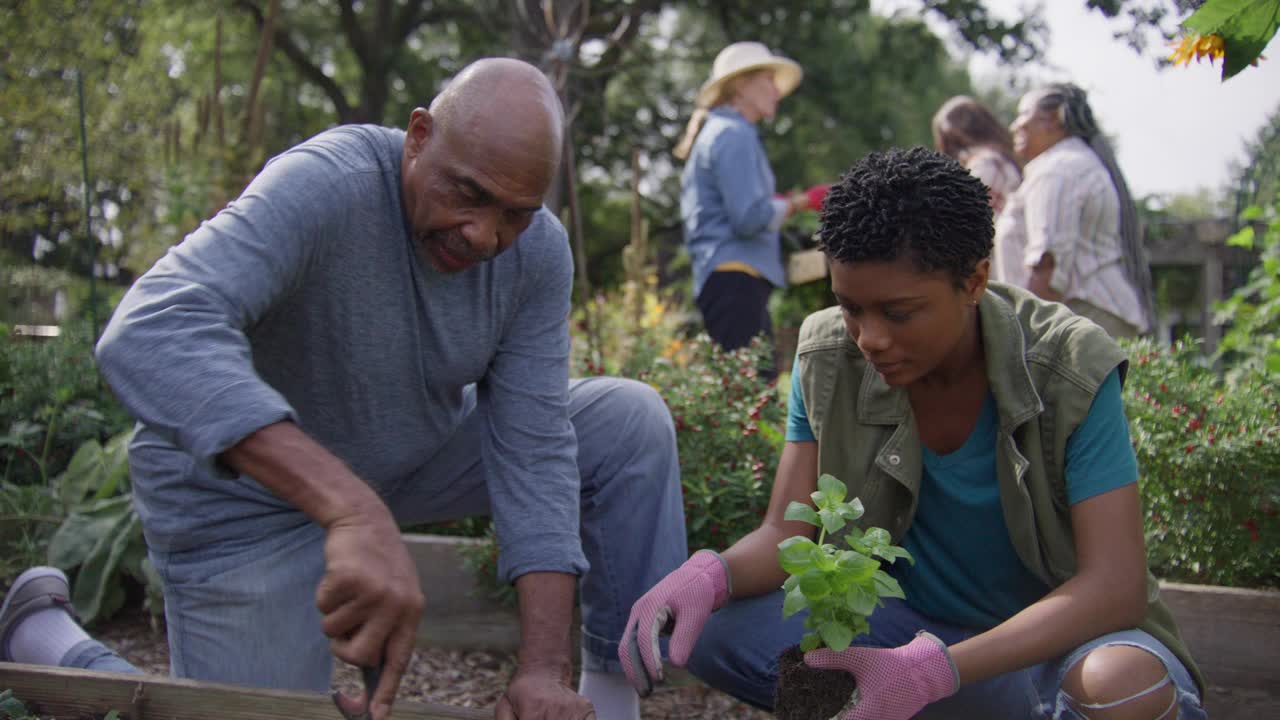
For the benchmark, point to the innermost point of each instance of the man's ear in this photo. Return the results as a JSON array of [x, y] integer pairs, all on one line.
[[418, 133]]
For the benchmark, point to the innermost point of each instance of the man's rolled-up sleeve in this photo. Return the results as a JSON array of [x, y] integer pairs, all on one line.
[[175, 351], [529, 449]]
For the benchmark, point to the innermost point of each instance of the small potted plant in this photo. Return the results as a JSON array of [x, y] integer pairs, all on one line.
[[840, 587]]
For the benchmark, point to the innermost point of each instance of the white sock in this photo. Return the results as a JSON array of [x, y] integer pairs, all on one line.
[[44, 637], [611, 694]]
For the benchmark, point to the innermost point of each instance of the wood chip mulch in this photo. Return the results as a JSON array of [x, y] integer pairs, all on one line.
[[471, 679]]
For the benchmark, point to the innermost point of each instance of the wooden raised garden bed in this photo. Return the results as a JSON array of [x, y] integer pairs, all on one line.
[[76, 694]]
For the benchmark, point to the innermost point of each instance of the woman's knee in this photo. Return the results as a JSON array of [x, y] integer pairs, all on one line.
[[1121, 682]]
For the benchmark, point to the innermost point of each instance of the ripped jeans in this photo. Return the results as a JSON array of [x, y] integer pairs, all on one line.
[[738, 653]]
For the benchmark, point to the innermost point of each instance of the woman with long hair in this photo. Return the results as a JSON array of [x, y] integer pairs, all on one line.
[[1070, 233], [968, 131]]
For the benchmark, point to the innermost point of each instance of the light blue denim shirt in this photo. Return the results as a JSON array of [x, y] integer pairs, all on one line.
[[726, 200]]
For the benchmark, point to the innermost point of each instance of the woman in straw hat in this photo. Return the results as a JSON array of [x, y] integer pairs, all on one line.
[[966, 130], [728, 206]]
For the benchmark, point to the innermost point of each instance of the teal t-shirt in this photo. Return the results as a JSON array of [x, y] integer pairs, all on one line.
[[967, 571]]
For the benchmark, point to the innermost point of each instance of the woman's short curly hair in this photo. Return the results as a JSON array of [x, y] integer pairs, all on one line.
[[915, 203]]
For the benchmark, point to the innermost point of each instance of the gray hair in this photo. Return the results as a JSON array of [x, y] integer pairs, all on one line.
[[1071, 106]]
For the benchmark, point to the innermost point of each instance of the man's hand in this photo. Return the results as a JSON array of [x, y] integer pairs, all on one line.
[[369, 597], [542, 694], [540, 689], [370, 600]]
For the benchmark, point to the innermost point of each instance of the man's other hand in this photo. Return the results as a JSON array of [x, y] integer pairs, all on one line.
[[542, 695]]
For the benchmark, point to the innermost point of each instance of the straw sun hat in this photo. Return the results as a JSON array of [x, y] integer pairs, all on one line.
[[742, 57]]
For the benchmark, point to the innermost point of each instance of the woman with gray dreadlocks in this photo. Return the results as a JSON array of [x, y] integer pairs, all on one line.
[[1070, 233]]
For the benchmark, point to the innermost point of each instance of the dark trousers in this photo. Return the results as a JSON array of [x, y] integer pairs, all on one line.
[[735, 309]]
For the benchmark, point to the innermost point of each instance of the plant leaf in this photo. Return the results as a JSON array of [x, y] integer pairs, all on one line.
[[793, 602], [851, 510], [1246, 26], [795, 554], [862, 599], [802, 511], [836, 635], [831, 520], [886, 586], [1242, 239], [893, 552], [814, 585], [831, 488], [810, 641], [856, 566]]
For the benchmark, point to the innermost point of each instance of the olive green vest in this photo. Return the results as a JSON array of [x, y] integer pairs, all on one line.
[[1044, 365]]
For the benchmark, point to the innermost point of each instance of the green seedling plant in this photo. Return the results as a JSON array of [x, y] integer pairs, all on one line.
[[840, 587]]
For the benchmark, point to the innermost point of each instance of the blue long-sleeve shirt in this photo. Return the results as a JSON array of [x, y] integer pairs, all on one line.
[[305, 300], [726, 200]]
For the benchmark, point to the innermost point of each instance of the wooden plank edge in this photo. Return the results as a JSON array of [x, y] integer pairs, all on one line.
[[73, 692]]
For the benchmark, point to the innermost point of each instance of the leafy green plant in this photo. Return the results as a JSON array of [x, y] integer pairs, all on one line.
[[1207, 452], [11, 708], [51, 401], [840, 587], [1252, 340]]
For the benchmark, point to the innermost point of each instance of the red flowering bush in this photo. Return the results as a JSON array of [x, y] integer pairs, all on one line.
[[1209, 459]]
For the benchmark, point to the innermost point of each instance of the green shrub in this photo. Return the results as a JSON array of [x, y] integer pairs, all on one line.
[[728, 420], [51, 402], [1209, 458], [1252, 342]]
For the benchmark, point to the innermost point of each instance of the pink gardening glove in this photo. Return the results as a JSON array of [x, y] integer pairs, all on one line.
[[686, 597], [894, 684]]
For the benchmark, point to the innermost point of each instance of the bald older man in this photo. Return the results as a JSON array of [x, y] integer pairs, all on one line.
[[375, 333]]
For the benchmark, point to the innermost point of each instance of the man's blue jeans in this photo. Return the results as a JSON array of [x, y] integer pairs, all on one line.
[[243, 610], [739, 648]]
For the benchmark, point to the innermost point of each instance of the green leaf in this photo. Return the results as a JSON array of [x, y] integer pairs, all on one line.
[[814, 585], [81, 532], [836, 635], [893, 552], [862, 599], [831, 520], [81, 476], [1242, 239], [851, 510], [877, 537], [1246, 26], [803, 512], [810, 641], [832, 489], [886, 586], [795, 554], [793, 602], [856, 566]]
